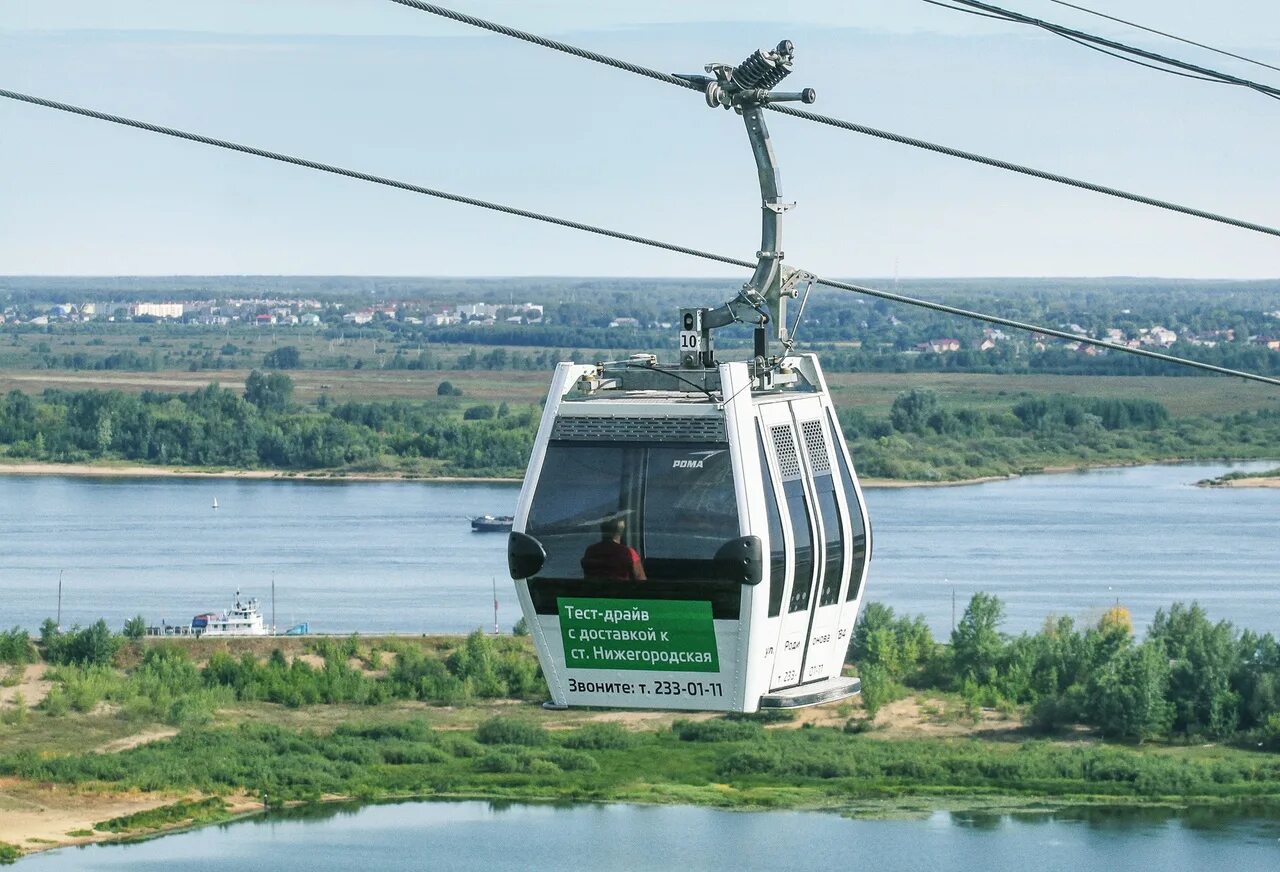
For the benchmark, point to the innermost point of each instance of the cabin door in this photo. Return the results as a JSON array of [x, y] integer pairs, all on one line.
[[804, 543]]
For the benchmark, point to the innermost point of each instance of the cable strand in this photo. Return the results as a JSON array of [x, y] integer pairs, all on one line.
[[845, 125], [1181, 39]]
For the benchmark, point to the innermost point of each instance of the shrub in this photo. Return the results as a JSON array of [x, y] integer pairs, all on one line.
[[717, 730], [511, 731], [599, 737], [16, 647]]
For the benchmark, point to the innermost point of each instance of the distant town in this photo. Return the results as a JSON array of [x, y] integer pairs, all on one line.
[[312, 312]]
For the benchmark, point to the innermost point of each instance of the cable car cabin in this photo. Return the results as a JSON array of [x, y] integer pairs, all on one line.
[[691, 538]]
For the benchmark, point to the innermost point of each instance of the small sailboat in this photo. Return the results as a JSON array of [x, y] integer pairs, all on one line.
[[215, 502]]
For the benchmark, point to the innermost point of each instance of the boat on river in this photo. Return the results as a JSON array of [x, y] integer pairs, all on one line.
[[492, 524], [244, 618]]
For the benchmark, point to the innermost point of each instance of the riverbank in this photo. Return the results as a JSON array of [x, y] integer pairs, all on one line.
[[917, 756], [1266, 479], [128, 470], [169, 734]]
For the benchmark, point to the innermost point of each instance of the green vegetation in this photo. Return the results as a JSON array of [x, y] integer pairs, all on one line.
[[95, 645], [921, 439], [218, 427], [9, 853], [16, 647], [188, 813], [1189, 680], [390, 718], [924, 436], [815, 767]]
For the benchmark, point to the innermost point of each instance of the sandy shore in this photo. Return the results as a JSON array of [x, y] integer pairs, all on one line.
[[1260, 481], [40, 817], [125, 470], [122, 470]]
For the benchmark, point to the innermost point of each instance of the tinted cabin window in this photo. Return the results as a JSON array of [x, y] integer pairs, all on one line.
[[777, 545], [798, 510], [690, 508], [858, 544], [830, 509], [677, 501]]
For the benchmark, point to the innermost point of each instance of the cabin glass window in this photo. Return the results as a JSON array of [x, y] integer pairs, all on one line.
[[777, 545], [677, 501], [857, 522], [832, 576], [580, 486], [798, 510], [690, 508]]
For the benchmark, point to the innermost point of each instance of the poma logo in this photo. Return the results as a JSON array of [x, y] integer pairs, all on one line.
[[696, 459]]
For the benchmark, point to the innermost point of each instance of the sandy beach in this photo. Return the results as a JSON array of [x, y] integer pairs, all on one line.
[[124, 470]]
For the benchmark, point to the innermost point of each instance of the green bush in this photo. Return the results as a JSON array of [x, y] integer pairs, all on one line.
[[716, 730], [16, 647], [599, 737], [511, 731], [9, 853]]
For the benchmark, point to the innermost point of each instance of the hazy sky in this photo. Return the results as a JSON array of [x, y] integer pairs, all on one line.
[[378, 87]]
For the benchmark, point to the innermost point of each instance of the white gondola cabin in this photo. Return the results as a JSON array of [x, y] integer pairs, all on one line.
[[741, 552]]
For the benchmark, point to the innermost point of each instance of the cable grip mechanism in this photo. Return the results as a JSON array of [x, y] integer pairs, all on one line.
[[746, 88]]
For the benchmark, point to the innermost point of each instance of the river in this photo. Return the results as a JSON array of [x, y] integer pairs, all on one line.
[[400, 556], [491, 837]]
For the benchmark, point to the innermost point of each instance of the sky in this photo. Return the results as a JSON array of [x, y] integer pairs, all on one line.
[[375, 86]]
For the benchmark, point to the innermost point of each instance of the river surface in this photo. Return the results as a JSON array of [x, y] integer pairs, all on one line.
[[400, 556], [489, 837]]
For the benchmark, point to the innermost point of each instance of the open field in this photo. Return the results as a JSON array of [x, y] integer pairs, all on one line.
[[873, 393]]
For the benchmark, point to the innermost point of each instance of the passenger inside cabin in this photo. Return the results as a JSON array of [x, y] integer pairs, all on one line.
[[610, 559]]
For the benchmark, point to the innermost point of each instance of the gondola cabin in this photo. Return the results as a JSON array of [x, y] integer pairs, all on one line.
[[691, 538]]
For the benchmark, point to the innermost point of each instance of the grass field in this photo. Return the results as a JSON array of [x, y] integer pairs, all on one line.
[[874, 393]]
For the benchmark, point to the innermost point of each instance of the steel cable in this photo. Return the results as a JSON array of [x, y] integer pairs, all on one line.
[[850, 126]]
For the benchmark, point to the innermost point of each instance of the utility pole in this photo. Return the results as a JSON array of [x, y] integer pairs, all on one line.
[[60, 571], [494, 580]]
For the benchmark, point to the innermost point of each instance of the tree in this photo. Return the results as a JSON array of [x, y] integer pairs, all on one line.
[[284, 357], [911, 411], [270, 393], [1126, 694], [976, 644], [135, 627], [478, 413], [448, 389]]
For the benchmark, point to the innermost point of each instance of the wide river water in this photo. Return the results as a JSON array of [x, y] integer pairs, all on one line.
[[400, 556], [489, 837]]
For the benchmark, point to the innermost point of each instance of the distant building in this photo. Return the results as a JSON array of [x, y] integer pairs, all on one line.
[[624, 322], [156, 310]]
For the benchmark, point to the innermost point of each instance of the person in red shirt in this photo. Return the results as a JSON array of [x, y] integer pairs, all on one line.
[[609, 558]]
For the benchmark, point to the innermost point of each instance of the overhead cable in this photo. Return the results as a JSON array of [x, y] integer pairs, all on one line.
[[899, 138], [1181, 39], [613, 234], [1125, 52]]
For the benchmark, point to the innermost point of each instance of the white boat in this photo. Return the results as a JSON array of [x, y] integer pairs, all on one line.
[[215, 502], [242, 619]]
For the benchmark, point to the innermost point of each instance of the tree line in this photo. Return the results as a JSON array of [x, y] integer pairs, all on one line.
[[1188, 679]]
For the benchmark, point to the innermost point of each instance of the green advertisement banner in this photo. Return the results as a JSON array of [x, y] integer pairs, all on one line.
[[655, 635]]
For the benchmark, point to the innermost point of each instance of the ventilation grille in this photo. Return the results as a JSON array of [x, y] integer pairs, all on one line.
[[816, 444], [681, 428], [785, 447]]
